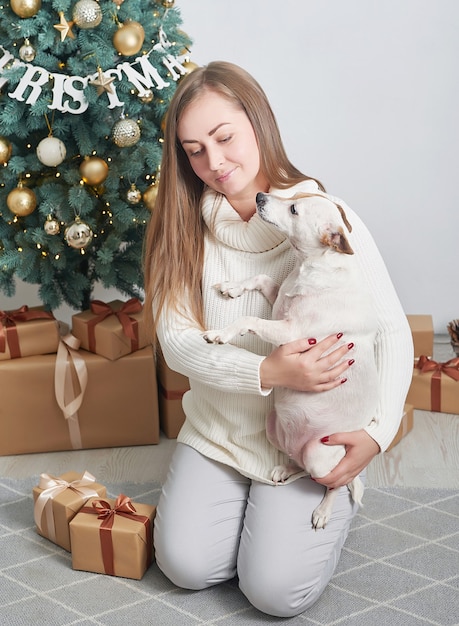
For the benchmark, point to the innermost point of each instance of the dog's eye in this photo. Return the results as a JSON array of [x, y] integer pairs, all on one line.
[[293, 210]]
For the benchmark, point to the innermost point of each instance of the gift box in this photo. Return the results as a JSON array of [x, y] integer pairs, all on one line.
[[423, 334], [171, 388], [26, 332], [58, 499], [435, 386], [112, 330], [113, 537], [119, 406], [406, 425]]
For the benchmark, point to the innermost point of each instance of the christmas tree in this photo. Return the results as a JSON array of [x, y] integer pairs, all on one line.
[[84, 88]]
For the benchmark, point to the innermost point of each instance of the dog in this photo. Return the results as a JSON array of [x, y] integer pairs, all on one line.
[[325, 291]]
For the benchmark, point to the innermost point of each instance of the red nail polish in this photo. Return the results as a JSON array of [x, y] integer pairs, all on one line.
[[339, 335], [350, 345], [311, 341], [343, 380], [350, 362], [325, 439]]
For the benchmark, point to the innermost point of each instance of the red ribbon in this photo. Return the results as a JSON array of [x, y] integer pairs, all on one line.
[[450, 368], [172, 394], [129, 324], [124, 507], [9, 332]]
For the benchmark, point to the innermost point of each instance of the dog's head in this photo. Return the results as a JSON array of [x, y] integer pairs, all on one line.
[[310, 221]]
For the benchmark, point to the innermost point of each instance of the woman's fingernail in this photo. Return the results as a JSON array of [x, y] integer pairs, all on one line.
[[313, 479], [350, 345], [343, 380], [350, 362], [311, 341], [325, 439], [339, 335]]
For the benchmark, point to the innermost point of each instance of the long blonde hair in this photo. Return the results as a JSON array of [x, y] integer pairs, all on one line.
[[174, 241]]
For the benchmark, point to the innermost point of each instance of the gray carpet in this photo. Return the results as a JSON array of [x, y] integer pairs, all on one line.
[[399, 567]]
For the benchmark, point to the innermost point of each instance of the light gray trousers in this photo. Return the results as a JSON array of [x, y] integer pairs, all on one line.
[[213, 524]]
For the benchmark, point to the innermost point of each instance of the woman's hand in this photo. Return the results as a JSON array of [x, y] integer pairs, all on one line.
[[360, 449], [300, 365]]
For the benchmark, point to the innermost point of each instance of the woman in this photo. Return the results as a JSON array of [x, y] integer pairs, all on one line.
[[220, 515]]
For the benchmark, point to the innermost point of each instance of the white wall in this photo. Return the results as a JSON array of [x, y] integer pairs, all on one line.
[[366, 94]]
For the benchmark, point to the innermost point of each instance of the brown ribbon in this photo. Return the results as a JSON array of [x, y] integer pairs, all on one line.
[[450, 368], [124, 507], [172, 394], [68, 359], [129, 324], [9, 332]]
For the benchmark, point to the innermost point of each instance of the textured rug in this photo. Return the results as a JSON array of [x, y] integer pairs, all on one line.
[[399, 566]]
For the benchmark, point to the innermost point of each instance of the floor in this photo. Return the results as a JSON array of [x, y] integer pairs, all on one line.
[[427, 457]]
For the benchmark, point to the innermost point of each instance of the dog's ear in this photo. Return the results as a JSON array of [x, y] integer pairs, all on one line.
[[337, 240], [345, 220]]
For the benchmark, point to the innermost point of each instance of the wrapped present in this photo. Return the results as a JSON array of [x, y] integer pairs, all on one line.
[[113, 537], [435, 386], [406, 425], [27, 331], [423, 334], [58, 499], [118, 406], [171, 388], [112, 330]]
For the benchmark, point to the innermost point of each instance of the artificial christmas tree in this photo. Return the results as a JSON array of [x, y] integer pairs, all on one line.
[[84, 88]]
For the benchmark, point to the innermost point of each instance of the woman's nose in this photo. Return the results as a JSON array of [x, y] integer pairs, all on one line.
[[215, 158]]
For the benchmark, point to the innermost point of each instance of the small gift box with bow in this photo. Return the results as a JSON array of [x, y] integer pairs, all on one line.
[[423, 334], [58, 499], [112, 329], [406, 425], [26, 332], [435, 386], [113, 537], [171, 388]]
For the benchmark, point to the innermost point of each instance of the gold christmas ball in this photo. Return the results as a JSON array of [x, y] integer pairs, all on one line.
[[25, 8], [149, 196], [87, 14], [190, 66], [5, 150], [129, 38], [93, 170], [168, 4], [21, 201]]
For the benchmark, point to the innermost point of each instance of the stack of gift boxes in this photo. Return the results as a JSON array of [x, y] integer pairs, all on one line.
[[104, 535], [92, 388]]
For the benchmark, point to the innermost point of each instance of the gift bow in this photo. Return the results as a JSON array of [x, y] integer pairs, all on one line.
[[124, 507], [129, 324], [69, 402], [8, 330], [450, 368], [52, 487]]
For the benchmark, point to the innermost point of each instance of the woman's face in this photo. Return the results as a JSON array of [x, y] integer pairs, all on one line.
[[221, 146]]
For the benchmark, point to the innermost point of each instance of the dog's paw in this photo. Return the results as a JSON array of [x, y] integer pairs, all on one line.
[[281, 473], [214, 336], [230, 290], [320, 518]]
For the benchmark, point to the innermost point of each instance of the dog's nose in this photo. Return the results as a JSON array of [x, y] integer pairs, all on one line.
[[261, 200]]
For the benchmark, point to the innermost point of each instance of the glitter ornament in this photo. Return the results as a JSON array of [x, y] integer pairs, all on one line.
[[51, 151], [27, 52], [51, 226], [5, 150], [128, 39], [21, 201], [25, 8], [93, 170], [134, 195], [78, 234], [87, 14], [125, 133]]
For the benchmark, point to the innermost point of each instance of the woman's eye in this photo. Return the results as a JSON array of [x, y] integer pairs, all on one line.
[[225, 139], [293, 210]]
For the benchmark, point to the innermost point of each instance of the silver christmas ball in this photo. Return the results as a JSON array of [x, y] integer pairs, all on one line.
[[125, 133], [78, 234], [134, 195], [27, 52], [51, 226], [87, 14]]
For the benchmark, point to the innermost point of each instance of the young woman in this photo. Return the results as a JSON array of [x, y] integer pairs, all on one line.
[[220, 515]]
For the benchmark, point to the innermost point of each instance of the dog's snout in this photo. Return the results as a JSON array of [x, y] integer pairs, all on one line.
[[261, 200]]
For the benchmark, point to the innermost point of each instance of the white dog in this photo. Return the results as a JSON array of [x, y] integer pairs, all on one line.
[[324, 293]]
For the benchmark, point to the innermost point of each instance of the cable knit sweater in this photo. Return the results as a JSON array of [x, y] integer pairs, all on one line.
[[226, 407]]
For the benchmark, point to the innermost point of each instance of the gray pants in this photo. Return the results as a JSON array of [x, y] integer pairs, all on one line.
[[213, 524]]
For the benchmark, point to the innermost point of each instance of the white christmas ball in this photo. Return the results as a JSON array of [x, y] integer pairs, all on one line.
[[51, 151]]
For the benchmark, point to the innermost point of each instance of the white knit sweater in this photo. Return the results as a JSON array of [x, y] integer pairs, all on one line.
[[226, 408]]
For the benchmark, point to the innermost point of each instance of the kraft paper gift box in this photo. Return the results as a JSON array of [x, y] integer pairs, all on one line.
[[119, 406], [406, 425], [435, 386], [58, 499], [113, 537], [112, 329], [27, 331], [423, 334], [171, 388]]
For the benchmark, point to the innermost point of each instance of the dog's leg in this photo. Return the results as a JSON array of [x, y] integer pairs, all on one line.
[[356, 488], [321, 513], [262, 283], [276, 332]]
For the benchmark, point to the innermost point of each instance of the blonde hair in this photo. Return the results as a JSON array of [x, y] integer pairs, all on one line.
[[174, 241]]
